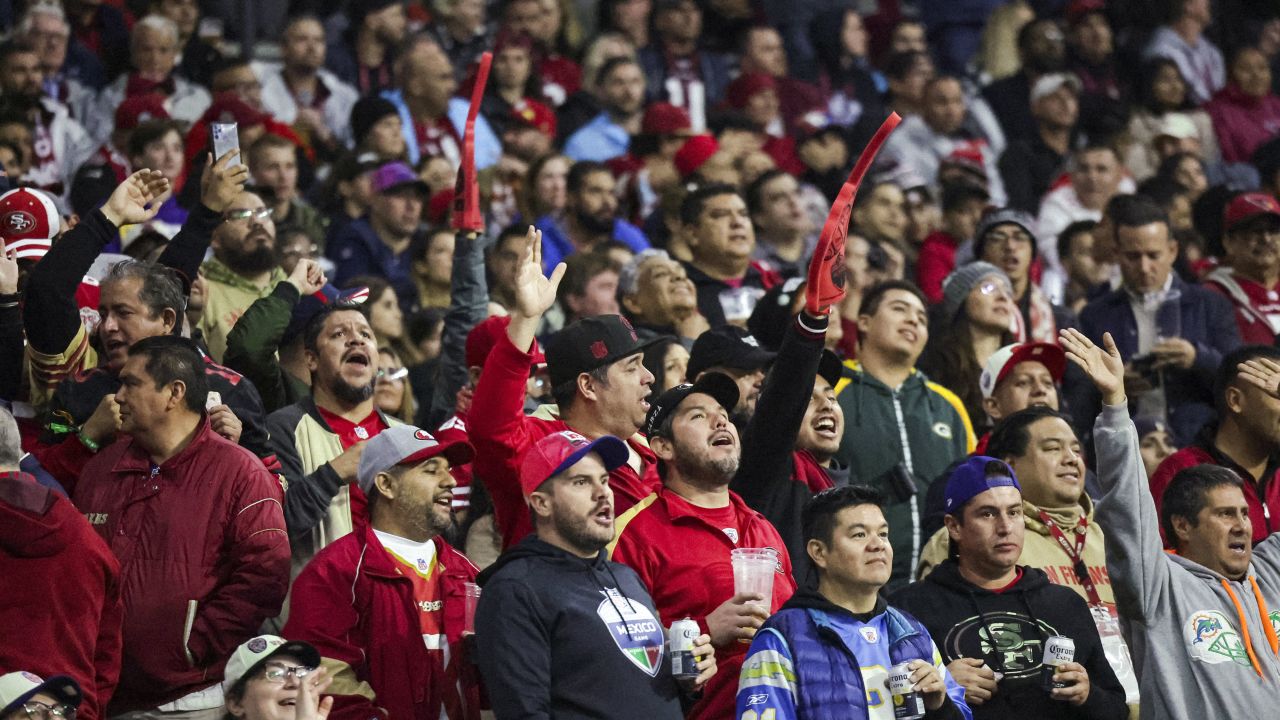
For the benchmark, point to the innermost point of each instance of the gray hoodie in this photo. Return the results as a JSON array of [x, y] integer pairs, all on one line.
[[1185, 632]]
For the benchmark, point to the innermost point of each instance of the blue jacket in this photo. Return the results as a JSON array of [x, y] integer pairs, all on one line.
[[357, 250], [713, 69], [557, 247], [488, 148], [814, 660], [1208, 323]]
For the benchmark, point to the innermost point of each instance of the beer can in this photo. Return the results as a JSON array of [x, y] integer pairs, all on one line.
[[680, 639], [907, 703], [1058, 650]]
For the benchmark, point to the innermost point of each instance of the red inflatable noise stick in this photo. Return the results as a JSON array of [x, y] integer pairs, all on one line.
[[826, 282], [466, 193]]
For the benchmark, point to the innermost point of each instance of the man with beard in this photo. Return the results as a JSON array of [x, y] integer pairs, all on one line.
[[61, 144], [301, 93], [731, 350], [378, 244], [607, 136], [694, 510], [590, 216], [319, 439], [1250, 273], [547, 639], [384, 604], [73, 378], [243, 268], [598, 380], [1042, 48]]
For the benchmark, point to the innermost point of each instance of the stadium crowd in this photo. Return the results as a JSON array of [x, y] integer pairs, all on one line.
[[503, 336]]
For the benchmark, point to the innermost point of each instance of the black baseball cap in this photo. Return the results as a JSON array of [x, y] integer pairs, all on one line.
[[830, 367], [719, 386], [590, 343], [727, 346]]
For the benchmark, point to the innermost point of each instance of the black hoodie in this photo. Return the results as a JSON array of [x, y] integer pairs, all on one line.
[[1008, 629], [567, 637]]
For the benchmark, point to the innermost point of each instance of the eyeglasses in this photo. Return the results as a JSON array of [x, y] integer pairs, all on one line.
[[278, 673], [991, 287], [259, 214], [39, 711], [392, 375]]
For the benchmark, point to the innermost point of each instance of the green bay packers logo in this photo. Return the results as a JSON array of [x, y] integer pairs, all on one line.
[[1211, 638], [942, 430]]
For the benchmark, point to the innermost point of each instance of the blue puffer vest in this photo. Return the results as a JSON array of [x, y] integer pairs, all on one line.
[[828, 675]]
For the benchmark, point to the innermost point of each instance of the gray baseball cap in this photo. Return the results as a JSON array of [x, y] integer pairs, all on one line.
[[407, 445]]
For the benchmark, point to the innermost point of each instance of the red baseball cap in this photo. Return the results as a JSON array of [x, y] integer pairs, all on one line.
[[663, 118], [484, 337], [534, 114], [1003, 361], [559, 451], [1247, 207], [747, 85], [28, 222], [695, 152], [137, 109]]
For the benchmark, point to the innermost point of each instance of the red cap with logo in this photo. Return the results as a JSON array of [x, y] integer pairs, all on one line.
[[1247, 207], [534, 114], [559, 451], [663, 118], [28, 223]]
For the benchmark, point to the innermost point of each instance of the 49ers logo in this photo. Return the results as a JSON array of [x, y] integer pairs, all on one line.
[[19, 221]]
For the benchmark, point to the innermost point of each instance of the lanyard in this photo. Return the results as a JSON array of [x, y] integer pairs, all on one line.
[[1075, 553]]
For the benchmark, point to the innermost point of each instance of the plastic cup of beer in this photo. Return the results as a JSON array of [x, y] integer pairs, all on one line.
[[472, 591], [753, 570]]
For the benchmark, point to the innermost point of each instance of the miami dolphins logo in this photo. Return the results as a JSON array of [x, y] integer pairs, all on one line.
[[1204, 625], [1212, 639]]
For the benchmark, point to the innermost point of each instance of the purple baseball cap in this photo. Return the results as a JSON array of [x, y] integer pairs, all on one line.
[[396, 175], [974, 477]]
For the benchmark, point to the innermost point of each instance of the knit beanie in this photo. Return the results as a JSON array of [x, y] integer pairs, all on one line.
[[956, 288], [1004, 216], [366, 113]]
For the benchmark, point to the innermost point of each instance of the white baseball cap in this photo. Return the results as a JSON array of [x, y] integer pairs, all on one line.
[[255, 651], [16, 688], [1004, 360]]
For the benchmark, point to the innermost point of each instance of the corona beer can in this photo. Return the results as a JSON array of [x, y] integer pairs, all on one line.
[[907, 703], [680, 639], [1058, 650]]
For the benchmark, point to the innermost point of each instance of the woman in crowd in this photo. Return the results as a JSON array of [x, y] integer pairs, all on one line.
[[667, 360], [157, 144], [1161, 90], [432, 254], [545, 195], [973, 321], [270, 679], [1245, 113], [391, 391]]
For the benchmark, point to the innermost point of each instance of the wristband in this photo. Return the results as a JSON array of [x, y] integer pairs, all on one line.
[[88, 441]]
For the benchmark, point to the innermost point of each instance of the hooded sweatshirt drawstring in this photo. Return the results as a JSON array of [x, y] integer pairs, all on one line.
[[986, 625], [1244, 624], [1266, 617], [591, 570]]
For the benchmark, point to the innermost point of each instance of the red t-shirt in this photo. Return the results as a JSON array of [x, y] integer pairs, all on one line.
[[351, 433]]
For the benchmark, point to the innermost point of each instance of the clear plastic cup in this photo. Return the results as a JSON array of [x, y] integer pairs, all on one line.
[[472, 596], [753, 570]]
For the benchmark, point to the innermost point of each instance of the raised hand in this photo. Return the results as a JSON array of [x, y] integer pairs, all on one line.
[[534, 293], [221, 181], [307, 277], [8, 271], [1105, 368], [309, 703], [1262, 373], [138, 198]]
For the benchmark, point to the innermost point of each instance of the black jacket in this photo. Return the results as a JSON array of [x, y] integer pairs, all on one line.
[[565, 637], [1008, 631], [767, 478]]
